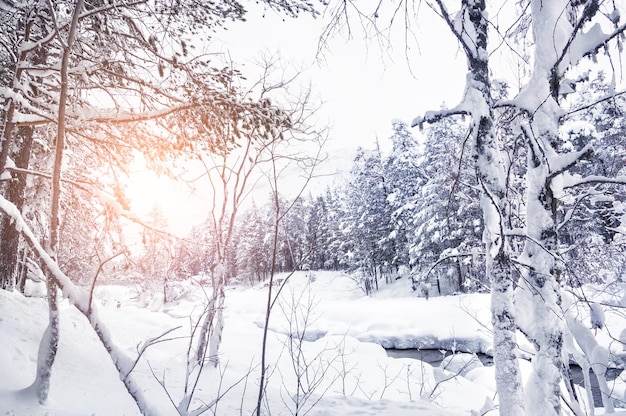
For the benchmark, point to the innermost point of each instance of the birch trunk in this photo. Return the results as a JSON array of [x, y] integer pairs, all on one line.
[[470, 26], [215, 336], [50, 341], [543, 284], [543, 279], [49, 344], [491, 175]]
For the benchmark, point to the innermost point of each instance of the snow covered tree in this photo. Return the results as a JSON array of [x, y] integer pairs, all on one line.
[[590, 217], [252, 245], [28, 27], [445, 243], [195, 251], [336, 246], [293, 253], [318, 234], [134, 80], [404, 178], [157, 260], [548, 172], [369, 218]]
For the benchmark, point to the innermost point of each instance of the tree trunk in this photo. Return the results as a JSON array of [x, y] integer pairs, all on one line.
[[213, 324], [543, 280], [215, 336], [15, 189], [543, 283], [50, 341], [268, 309], [508, 378], [491, 175], [55, 203], [22, 269], [205, 330], [10, 237], [470, 26]]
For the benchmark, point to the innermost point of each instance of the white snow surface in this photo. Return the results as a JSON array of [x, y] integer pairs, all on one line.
[[346, 331]]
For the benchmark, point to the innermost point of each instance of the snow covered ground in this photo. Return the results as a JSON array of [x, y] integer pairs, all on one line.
[[347, 370]]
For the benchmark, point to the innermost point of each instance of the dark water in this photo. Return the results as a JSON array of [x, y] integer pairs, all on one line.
[[434, 358]]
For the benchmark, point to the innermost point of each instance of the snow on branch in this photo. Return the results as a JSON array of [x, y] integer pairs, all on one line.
[[523, 259], [608, 97], [448, 255], [596, 39], [561, 163], [14, 169], [74, 294], [571, 181], [459, 29], [569, 213], [108, 7], [435, 116], [111, 117], [590, 9]]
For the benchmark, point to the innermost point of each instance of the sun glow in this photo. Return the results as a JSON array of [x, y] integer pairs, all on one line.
[[148, 191]]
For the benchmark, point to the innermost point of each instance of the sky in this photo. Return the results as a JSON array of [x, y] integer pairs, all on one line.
[[365, 85]]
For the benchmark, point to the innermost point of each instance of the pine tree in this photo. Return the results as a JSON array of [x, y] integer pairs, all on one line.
[[446, 219], [404, 178], [368, 225]]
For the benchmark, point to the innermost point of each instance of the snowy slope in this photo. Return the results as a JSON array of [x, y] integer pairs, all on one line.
[[343, 337]]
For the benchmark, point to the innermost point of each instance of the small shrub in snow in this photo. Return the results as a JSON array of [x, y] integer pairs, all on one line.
[[460, 363]]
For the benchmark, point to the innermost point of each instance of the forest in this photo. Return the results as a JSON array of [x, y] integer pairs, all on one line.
[[513, 198]]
